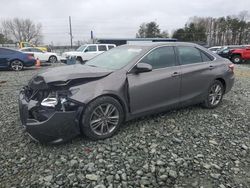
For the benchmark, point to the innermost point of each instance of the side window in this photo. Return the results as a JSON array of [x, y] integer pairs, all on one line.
[[36, 50], [110, 47], [91, 49], [25, 50], [102, 48], [161, 57], [189, 55], [206, 57]]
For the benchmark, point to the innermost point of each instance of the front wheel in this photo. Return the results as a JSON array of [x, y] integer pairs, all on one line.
[[102, 118], [16, 65], [214, 95], [236, 59]]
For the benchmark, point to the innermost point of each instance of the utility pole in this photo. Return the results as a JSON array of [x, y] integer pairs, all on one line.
[[70, 32]]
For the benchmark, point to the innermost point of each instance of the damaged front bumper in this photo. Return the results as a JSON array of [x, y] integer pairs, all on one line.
[[56, 127]]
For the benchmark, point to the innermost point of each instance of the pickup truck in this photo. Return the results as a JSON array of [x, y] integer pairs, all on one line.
[[240, 55]]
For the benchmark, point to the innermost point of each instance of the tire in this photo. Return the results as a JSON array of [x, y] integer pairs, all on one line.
[[16, 65], [214, 97], [79, 60], [52, 59], [96, 123], [236, 59]]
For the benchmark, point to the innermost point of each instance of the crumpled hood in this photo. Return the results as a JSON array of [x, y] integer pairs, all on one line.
[[67, 73]]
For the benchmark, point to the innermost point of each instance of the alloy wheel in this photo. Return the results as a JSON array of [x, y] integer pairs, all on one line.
[[215, 94], [104, 119], [16, 65]]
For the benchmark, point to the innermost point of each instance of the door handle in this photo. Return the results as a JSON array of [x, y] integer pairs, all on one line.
[[175, 74], [211, 67]]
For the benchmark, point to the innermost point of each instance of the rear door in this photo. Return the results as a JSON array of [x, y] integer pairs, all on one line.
[[197, 72], [156, 89]]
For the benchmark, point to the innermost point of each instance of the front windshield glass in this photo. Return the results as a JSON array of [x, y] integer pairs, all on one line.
[[115, 59], [81, 48]]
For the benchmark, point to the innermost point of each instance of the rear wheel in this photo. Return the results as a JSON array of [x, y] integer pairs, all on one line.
[[236, 59], [215, 95], [52, 59], [16, 65], [102, 118]]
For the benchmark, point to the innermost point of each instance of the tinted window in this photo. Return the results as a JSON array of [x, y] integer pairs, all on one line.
[[189, 55], [102, 48], [25, 50], [91, 49], [160, 57], [35, 50], [110, 47], [206, 57]]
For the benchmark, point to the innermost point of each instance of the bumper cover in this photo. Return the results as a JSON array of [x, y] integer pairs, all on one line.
[[59, 127]]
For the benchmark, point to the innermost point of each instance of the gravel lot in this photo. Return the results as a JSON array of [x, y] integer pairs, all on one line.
[[191, 147]]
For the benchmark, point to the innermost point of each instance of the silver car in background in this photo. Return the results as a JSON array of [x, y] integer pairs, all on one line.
[[121, 84]]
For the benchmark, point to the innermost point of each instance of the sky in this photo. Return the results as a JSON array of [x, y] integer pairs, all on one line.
[[112, 18]]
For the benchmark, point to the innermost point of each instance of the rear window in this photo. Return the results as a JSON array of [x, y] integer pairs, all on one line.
[[102, 48], [110, 47]]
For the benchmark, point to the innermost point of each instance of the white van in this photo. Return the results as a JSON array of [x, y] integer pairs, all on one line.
[[88, 51]]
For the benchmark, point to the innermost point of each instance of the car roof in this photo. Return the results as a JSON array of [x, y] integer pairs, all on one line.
[[158, 44], [9, 49]]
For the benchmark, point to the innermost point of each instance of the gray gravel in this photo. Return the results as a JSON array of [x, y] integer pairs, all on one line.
[[191, 147]]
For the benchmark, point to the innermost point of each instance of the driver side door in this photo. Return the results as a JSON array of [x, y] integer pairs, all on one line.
[[159, 88]]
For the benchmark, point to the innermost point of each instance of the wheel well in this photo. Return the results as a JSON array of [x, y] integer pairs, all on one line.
[[79, 57], [236, 55], [223, 83], [118, 99]]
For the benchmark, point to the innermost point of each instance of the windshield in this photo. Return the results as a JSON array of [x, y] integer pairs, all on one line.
[[81, 48], [115, 59]]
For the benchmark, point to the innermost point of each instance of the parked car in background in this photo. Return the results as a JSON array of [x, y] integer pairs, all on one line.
[[121, 84], [240, 55], [15, 60], [41, 55], [225, 51], [215, 48], [88, 51], [27, 44]]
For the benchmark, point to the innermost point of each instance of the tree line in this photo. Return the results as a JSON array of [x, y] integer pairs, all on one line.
[[17, 30], [228, 30]]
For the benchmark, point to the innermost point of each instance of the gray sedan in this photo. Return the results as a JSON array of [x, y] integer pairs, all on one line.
[[121, 84]]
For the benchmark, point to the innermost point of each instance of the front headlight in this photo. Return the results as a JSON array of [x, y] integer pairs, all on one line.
[[49, 102]]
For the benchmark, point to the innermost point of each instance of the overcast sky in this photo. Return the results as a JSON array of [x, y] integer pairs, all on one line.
[[113, 18]]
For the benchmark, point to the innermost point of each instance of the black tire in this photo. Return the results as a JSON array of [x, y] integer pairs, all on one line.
[[236, 59], [93, 124], [16, 65], [79, 60], [52, 59], [208, 101]]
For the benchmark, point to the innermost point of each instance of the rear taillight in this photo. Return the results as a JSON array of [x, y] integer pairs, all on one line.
[[30, 56], [231, 67]]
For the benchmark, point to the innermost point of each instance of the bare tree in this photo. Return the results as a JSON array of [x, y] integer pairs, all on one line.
[[22, 30]]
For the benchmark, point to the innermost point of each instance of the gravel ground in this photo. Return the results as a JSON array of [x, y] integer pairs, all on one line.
[[191, 147]]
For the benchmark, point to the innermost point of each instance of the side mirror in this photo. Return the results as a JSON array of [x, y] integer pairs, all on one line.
[[143, 67], [86, 50]]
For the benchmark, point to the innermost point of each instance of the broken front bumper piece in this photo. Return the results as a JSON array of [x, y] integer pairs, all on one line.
[[59, 126]]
